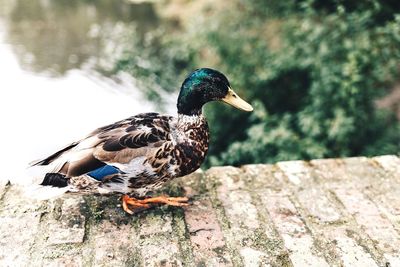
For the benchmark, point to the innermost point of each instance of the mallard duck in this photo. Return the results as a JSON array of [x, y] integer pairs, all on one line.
[[139, 154]]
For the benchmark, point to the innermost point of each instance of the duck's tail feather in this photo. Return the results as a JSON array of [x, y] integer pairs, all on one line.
[[55, 179], [36, 175], [54, 156], [42, 185]]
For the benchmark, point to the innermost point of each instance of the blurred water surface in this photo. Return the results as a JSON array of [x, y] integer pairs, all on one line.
[[56, 64]]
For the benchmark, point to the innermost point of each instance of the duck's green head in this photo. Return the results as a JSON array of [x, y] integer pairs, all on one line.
[[205, 85]]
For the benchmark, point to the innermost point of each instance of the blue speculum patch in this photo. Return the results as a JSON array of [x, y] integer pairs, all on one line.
[[101, 172]]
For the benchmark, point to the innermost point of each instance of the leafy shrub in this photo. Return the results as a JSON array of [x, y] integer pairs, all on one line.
[[312, 70], [314, 96]]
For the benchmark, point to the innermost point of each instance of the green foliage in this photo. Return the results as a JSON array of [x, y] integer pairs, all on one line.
[[315, 95], [313, 82]]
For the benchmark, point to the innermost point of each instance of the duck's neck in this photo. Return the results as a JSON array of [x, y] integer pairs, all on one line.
[[190, 101], [193, 110], [190, 120]]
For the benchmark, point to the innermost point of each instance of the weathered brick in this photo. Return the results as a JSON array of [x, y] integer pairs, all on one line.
[[341, 249], [112, 245], [359, 169], [206, 234], [266, 247], [263, 176], [341, 212], [296, 171], [390, 163], [231, 178], [393, 260], [63, 261], [70, 226], [236, 200], [329, 170], [287, 220], [388, 203], [252, 257], [154, 224], [316, 201], [355, 161], [240, 230], [312, 196], [17, 237], [157, 243], [12, 205], [244, 232], [290, 226], [368, 216], [239, 208], [160, 250], [351, 254], [193, 184], [65, 235], [3, 184]]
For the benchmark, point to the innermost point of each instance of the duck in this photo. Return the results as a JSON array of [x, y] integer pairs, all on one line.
[[138, 155]]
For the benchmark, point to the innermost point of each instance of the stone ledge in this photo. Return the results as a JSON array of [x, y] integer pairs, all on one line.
[[328, 212]]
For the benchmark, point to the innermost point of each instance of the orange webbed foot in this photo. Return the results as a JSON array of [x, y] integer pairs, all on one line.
[[172, 201], [144, 203], [130, 201]]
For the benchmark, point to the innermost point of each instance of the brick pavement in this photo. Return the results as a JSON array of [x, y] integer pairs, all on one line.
[[330, 212]]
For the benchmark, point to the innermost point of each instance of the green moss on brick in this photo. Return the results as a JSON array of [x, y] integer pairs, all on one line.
[[180, 229]]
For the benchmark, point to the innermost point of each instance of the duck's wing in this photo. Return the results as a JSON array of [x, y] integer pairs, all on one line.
[[114, 144], [132, 138]]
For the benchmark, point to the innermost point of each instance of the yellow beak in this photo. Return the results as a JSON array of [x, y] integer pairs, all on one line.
[[233, 99]]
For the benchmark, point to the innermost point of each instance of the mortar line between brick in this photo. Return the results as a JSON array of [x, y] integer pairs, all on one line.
[[37, 244], [184, 244], [40, 242], [381, 166], [265, 224], [363, 239], [184, 234], [382, 213], [347, 220], [88, 260], [315, 235], [7, 186], [223, 222], [312, 229], [136, 249]]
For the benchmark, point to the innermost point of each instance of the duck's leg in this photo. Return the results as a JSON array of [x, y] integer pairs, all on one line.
[[144, 203], [173, 201], [126, 200]]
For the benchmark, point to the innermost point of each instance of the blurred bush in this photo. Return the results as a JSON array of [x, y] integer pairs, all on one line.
[[312, 70]]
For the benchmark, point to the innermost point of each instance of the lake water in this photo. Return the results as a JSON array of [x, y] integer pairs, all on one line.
[[54, 60]]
